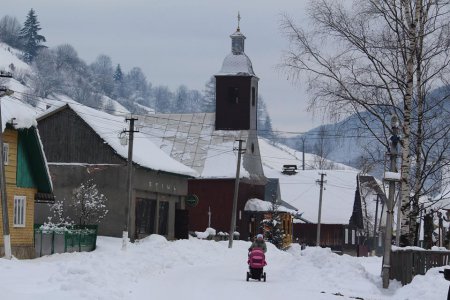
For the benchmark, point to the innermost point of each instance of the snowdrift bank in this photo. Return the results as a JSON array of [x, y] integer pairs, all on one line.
[[199, 269]]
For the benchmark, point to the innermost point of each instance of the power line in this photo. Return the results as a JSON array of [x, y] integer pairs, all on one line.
[[311, 135]]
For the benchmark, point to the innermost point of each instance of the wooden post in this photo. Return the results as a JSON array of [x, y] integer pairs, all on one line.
[[390, 203], [129, 208], [236, 191], [321, 182], [4, 197]]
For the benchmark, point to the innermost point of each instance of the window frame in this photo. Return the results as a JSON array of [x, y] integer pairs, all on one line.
[[5, 154], [20, 211]]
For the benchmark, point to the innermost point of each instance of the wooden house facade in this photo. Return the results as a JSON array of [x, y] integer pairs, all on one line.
[[340, 238], [27, 182], [215, 197], [82, 143]]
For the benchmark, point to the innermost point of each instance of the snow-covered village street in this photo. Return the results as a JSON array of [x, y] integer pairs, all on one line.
[[197, 269], [225, 150]]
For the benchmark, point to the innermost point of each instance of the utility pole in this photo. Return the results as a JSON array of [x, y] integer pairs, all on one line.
[[390, 203], [321, 182], [375, 228], [236, 191], [4, 198], [130, 207], [303, 152]]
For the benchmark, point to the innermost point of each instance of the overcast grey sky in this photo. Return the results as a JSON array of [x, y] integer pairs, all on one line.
[[179, 42]]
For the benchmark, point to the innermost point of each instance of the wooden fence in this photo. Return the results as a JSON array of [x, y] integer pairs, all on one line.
[[405, 264]]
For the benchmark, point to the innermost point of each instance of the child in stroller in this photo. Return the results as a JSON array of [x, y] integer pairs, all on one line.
[[256, 262]]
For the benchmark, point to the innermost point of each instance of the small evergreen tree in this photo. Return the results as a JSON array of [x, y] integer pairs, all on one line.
[[89, 205], [271, 225], [31, 40], [118, 75]]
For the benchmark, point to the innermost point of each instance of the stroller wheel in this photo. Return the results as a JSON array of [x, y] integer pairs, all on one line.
[[248, 276]]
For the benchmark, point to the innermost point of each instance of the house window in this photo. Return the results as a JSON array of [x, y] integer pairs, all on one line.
[[5, 153], [353, 236], [20, 205], [346, 236]]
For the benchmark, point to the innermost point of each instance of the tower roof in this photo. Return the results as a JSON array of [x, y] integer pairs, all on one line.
[[237, 62]]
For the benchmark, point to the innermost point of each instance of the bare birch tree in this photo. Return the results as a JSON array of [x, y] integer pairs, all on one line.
[[379, 57]]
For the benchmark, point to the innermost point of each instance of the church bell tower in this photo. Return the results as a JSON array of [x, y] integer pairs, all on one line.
[[236, 89]]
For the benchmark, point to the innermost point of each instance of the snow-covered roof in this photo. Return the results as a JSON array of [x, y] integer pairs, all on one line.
[[263, 206], [22, 116], [302, 191], [192, 140], [236, 64], [17, 113], [371, 194], [109, 127]]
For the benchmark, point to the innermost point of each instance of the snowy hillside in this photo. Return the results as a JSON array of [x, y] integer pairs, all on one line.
[[10, 62], [203, 270], [8, 56]]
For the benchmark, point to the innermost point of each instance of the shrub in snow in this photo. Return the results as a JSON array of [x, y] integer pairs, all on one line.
[[271, 225], [89, 205], [58, 221]]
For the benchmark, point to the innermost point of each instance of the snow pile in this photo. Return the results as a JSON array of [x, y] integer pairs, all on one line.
[[207, 233], [202, 269]]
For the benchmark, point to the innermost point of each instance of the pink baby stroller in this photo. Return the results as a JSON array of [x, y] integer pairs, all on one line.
[[256, 262]]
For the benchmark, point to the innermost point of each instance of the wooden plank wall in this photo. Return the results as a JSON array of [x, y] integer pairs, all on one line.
[[10, 137], [20, 236], [76, 143]]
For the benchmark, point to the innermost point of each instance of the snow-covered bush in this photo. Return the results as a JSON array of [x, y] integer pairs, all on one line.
[[89, 204], [209, 233], [58, 218]]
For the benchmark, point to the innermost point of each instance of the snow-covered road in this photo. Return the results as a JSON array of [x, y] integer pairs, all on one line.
[[198, 269]]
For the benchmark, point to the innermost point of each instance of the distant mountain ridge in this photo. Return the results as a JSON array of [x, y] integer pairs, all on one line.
[[348, 141]]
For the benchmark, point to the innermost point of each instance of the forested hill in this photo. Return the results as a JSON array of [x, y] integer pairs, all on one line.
[[352, 143], [101, 84]]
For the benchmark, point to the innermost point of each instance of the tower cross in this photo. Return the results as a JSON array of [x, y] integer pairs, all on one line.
[[239, 21]]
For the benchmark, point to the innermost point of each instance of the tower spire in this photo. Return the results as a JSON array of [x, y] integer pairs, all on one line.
[[237, 38]]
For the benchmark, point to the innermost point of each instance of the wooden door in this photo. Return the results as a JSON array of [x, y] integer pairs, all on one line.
[[145, 217]]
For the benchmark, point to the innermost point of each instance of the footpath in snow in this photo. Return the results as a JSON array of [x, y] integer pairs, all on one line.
[[196, 269]]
